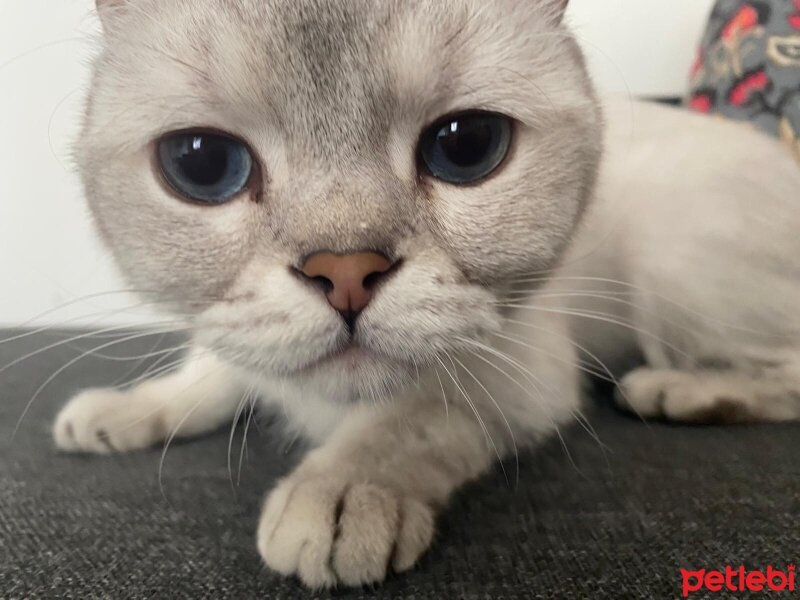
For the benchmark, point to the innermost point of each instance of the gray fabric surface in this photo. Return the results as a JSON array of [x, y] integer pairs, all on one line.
[[614, 523]]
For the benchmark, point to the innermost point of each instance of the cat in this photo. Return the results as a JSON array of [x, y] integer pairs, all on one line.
[[414, 227]]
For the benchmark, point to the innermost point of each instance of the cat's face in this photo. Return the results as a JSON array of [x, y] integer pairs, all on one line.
[[328, 100]]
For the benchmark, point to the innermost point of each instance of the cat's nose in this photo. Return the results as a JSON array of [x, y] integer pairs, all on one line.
[[348, 280]]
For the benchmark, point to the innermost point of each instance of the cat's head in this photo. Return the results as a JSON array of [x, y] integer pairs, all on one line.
[[260, 164]]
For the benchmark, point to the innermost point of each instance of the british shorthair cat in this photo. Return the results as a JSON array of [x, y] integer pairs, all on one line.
[[414, 227]]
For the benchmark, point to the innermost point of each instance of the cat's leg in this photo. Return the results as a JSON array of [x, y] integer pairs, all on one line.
[[202, 395], [365, 501], [712, 396]]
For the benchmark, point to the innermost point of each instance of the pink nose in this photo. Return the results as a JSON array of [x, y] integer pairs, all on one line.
[[349, 278]]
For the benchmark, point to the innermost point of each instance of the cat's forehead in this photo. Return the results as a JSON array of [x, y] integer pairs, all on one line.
[[323, 68], [335, 72], [329, 75]]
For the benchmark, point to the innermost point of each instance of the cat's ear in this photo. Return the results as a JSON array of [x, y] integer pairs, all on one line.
[[560, 7], [109, 10]]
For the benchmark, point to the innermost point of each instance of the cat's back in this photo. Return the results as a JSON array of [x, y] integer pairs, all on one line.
[[668, 148], [696, 208], [671, 176]]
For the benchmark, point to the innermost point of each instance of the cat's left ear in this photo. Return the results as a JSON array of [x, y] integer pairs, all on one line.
[[560, 7]]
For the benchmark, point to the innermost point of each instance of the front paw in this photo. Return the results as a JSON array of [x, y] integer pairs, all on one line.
[[327, 530], [106, 420]]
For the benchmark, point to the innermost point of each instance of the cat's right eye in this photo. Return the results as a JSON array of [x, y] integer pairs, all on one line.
[[206, 167]]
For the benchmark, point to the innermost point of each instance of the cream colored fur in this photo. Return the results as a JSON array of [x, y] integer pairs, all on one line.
[[687, 251]]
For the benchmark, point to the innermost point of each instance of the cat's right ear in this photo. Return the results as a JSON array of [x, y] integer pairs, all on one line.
[[110, 10]]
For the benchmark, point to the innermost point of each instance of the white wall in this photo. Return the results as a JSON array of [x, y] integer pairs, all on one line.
[[644, 46], [48, 253]]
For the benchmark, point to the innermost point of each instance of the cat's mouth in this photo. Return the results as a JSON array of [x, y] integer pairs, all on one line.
[[349, 357]]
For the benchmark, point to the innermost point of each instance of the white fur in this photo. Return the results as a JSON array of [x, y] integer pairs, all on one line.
[[697, 220], [661, 181], [471, 350]]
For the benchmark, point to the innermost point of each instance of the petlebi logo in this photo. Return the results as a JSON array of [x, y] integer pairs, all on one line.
[[738, 579]]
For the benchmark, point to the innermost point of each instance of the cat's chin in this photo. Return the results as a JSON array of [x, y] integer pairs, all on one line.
[[353, 361], [349, 358], [356, 372]]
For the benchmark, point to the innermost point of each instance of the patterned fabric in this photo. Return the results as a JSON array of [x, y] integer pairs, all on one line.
[[748, 66]]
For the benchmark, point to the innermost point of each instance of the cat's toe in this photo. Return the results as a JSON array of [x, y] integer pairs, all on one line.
[[417, 526], [682, 396], [103, 421], [377, 530], [644, 392], [295, 534], [330, 532]]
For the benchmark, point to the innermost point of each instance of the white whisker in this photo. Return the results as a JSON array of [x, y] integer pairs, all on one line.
[[649, 292], [535, 381], [61, 370], [243, 448], [85, 335], [482, 425], [502, 415], [605, 318]]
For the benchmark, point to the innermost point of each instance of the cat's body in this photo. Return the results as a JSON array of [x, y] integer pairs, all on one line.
[[498, 292], [695, 222]]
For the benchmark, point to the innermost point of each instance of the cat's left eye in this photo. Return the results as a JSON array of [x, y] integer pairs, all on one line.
[[466, 148], [210, 168]]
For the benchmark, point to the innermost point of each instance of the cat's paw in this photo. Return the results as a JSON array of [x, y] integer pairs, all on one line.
[[682, 396], [330, 531], [107, 420]]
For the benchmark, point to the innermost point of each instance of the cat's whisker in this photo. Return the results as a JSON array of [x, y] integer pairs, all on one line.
[[181, 422], [416, 369], [243, 448], [648, 292], [563, 293], [444, 396], [140, 357], [155, 346], [164, 401], [157, 370], [81, 318], [478, 416], [471, 405], [524, 370], [53, 114], [608, 373], [47, 46], [502, 416], [234, 423], [533, 380], [89, 334], [605, 318], [169, 440], [587, 426], [60, 370], [580, 365]]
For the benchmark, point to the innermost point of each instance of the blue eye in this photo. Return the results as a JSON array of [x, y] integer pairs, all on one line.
[[205, 167], [467, 147]]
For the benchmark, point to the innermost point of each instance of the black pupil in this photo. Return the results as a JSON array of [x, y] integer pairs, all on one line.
[[204, 160], [465, 142]]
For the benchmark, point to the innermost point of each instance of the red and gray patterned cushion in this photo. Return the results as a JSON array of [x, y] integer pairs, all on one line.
[[748, 66]]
